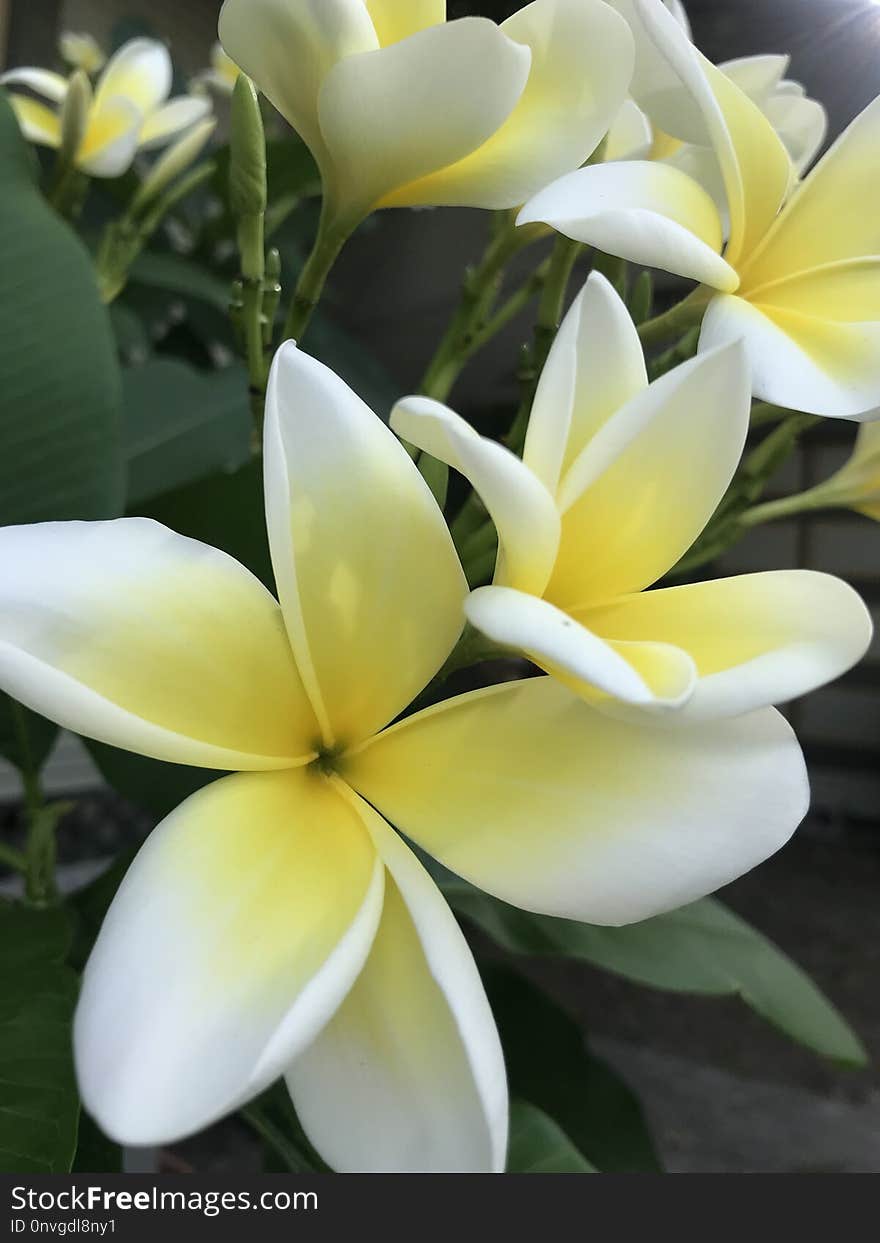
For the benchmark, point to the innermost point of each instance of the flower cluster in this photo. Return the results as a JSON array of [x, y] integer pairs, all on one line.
[[277, 923]]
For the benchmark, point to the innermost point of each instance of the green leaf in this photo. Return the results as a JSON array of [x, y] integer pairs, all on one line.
[[550, 1067], [182, 277], [701, 948], [182, 424], [60, 424], [225, 511], [95, 1153], [154, 785], [91, 903], [538, 1145], [286, 1147], [25, 737], [39, 1105]]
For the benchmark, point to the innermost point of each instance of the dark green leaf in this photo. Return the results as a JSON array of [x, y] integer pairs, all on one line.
[[224, 510], [183, 424], [91, 903], [95, 1153], [154, 785], [701, 948], [180, 277], [39, 1105], [273, 1118], [60, 399], [538, 1145], [549, 1066], [25, 738]]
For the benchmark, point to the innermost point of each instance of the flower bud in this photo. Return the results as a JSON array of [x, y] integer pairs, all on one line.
[[170, 165], [75, 116], [247, 165]]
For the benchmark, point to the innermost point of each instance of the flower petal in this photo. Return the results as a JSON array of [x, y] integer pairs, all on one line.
[[758, 639], [757, 76], [802, 124], [581, 62], [648, 674], [367, 574], [140, 72], [646, 485], [169, 120], [111, 138], [801, 361], [131, 634], [38, 123], [522, 509], [414, 1044], [825, 220], [532, 795], [755, 165], [640, 210], [594, 367], [50, 85], [237, 931], [391, 117], [289, 46], [631, 135], [396, 19]]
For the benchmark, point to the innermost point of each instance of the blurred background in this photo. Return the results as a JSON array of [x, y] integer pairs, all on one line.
[[723, 1092]]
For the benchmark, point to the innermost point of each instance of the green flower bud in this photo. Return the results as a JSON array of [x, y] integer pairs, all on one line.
[[172, 163], [247, 142], [74, 116]]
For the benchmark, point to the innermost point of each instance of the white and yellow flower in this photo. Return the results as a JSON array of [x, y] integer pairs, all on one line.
[[800, 122], [81, 51], [222, 75], [618, 479], [400, 107], [275, 923], [801, 285], [128, 111]]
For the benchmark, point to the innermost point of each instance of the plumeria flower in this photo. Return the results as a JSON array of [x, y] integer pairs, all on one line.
[[800, 286], [275, 924], [400, 107], [129, 110], [81, 51], [799, 121], [855, 486], [222, 75], [618, 479]]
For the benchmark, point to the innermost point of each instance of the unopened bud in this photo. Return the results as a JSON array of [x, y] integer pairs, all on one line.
[[247, 143], [172, 163], [74, 116]]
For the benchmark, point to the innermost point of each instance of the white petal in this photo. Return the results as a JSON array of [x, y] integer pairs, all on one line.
[[576, 656], [131, 634], [111, 138], [408, 1077], [803, 363], [631, 136], [50, 85], [367, 573], [522, 509], [238, 930], [529, 793], [757, 76], [594, 367], [289, 46], [393, 116], [758, 639], [581, 62], [646, 485], [172, 118], [645, 212], [140, 72]]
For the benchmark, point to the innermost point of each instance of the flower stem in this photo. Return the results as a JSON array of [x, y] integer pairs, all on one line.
[[677, 319], [329, 242]]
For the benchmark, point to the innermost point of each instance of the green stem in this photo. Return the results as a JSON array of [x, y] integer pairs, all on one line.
[[467, 330], [788, 506], [329, 242], [13, 858], [295, 1161], [763, 412], [550, 311], [678, 319], [39, 854]]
